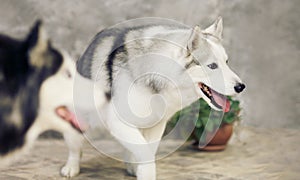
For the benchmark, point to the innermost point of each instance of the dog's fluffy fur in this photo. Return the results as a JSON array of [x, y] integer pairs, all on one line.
[[135, 64]]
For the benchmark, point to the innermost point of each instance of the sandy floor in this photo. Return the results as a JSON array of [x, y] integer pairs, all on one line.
[[251, 154]]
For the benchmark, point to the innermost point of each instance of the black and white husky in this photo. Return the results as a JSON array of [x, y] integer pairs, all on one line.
[[36, 94], [152, 71]]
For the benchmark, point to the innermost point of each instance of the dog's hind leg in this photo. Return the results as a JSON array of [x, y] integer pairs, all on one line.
[[74, 142]]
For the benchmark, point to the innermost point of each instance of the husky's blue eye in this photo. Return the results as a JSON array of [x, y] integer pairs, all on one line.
[[213, 66]]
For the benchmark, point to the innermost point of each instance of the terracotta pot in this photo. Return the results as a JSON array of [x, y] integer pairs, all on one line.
[[218, 141]]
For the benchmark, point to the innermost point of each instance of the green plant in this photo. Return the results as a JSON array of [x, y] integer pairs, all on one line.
[[201, 115]]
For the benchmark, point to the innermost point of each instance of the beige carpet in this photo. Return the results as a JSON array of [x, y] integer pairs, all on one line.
[[251, 154]]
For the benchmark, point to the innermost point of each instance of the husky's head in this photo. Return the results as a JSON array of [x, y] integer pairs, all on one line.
[[208, 66], [36, 89]]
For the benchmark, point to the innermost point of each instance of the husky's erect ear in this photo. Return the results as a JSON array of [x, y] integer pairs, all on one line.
[[37, 45], [216, 29], [194, 38]]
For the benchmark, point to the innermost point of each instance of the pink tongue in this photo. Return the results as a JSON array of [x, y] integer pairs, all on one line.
[[70, 117], [221, 100]]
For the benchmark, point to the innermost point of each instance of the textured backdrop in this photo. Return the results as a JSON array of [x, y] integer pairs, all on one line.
[[262, 38]]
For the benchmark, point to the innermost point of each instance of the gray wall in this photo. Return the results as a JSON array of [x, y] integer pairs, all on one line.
[[262, 38]]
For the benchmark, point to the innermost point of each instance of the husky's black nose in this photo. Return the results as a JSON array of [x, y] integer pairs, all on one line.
[[239, 87]]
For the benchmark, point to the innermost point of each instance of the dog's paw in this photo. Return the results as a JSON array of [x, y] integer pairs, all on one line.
[[131, 169], [146, 171], [69, 171]]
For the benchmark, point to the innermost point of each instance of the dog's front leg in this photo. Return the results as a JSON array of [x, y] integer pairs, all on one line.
[[152, 136], [143, 171], [131, 166], [133, 140], [146, 171], [74, 142]]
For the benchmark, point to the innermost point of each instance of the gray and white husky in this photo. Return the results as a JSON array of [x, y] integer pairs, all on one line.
[[36, 95], [149, 72]]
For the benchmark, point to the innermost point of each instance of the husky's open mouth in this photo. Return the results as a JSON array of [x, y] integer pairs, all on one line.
[[216, 99], [67, 115]]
